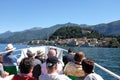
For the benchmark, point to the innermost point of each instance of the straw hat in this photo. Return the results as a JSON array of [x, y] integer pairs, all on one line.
[[9, 48], [39, 52]]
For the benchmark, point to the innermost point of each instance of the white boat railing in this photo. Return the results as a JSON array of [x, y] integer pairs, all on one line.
[[108, 71], [97, 65]]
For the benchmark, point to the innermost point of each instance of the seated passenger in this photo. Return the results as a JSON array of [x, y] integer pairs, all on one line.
[[40, 55], [69, 57], [75, 68], [37, 63], [26, 68], [88, 67], [8, 58], [52, 52], [52, 68]]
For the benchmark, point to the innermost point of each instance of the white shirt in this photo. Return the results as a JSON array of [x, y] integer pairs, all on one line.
[[53, 76], [93, 76], [1, 78], [44, 70]]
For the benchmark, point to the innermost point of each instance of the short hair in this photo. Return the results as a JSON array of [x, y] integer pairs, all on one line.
[[88, 65], [26, 65], [30, 53], [79, 56], [70, 50]]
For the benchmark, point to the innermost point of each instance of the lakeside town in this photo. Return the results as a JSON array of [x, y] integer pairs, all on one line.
[[83, 42]]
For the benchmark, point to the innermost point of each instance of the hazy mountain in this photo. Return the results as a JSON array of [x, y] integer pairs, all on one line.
[[34, 33], [84, 25], [6, 34], [30, 34], [35, 28], [109, 29], [112, 28]]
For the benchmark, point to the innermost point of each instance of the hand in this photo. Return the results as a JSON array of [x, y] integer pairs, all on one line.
[[4, 74]]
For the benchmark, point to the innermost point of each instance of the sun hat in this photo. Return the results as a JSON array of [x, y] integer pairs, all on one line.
[[9, 47], [39, 52], [51, 61]]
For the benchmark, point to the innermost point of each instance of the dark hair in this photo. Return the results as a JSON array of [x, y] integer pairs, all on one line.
[[88, 65], [79, 56], [30, 54], [26, 65], [70, 50]]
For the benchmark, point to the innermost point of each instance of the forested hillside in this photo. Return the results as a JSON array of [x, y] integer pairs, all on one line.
[[74, 32]]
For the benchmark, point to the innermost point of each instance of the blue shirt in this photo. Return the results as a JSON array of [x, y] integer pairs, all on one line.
[[9, 60], [68, 58]]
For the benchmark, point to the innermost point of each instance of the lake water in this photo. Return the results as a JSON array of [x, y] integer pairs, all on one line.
[[106, 57]]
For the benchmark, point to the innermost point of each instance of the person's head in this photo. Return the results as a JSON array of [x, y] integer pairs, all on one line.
[[40, 54], [79, 56], [70, 50], [88, 65], [26, 65], [30, 53], [9, 48], [51, 63], [52, 52]]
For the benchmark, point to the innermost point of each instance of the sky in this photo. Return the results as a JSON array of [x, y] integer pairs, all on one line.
[[19, 15]]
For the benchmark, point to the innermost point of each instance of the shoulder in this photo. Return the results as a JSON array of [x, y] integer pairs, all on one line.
[[43, 77], [70, 64], [98, 76], [16, 77], [12, 56], [66, 55], [93, 76], [4, 55], [62, 77], [36, 61]]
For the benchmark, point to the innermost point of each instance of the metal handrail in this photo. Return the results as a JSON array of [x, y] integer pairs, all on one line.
[[108, 71]]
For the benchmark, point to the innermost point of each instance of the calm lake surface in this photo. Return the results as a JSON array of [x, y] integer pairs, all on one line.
[[106, 57]]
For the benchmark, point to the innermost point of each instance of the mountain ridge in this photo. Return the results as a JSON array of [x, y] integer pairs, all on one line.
[[107, 29]]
